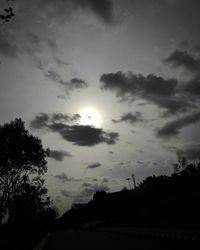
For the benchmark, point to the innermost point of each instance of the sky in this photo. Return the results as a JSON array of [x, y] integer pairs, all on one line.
[[111, 87]]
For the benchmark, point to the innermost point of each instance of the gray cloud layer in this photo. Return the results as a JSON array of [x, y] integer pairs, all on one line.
[[43, 12]]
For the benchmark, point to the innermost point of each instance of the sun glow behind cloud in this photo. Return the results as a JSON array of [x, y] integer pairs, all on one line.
[[90, 116]]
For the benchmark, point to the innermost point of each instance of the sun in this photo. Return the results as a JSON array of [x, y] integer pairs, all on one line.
[[90, 116]]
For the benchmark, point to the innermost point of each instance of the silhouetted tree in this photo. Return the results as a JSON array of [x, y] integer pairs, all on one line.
[[22, 163], [7, 13], [29, 203]]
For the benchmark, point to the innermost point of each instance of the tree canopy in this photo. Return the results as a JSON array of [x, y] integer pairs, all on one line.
[[22, 163]]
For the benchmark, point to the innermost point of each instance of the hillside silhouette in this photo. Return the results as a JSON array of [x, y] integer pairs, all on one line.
[[159, 201]]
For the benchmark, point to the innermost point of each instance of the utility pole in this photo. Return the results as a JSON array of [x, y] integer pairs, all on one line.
[[134, 183], [128, 179]]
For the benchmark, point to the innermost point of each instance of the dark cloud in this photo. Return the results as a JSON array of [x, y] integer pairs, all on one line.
[[128, 84], [8, 48], [172, 128], [80, 199], [130, 118], [172, 2], [60, 10], [140, 162], [192, 87], [179, 58], [170, 148], [59, 155], [197, 48], [43, 120], [140, 150], [89, 191], [60, 62], [191, 152], [154, 89], [74, 83], [58, 199], [35, 41], [94, 165], [53, 45], [86, 184], [44, 12], [103, 9], [60, 117], [34, 48], [55, 77], [84, 135], [77, 198], [86, 193], [40, 121], [66, 193], [184, 45], [105, 180], [78, 134], [64, 178]]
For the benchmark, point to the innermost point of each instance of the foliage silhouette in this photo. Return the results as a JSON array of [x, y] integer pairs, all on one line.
[[22, 156], [29, 202], [24, 201]]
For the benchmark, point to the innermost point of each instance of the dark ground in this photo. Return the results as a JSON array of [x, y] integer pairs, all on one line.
[[120, 238]]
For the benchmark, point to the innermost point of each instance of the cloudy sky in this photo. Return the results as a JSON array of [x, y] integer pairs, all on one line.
[[111, 87]]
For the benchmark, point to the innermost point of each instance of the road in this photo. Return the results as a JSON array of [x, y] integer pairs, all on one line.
[[103, 240]]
